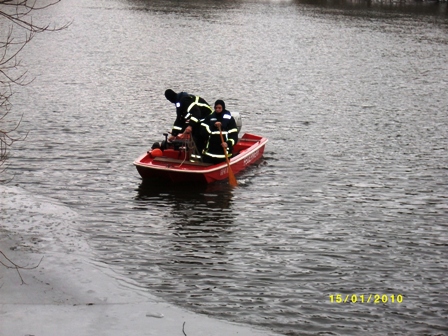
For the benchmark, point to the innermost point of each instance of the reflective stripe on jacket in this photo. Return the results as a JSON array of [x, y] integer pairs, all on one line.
[[213, 147], [191, 110]]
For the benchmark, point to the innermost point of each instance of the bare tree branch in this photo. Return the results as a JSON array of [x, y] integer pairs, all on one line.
[[16, 15], [17, 267]]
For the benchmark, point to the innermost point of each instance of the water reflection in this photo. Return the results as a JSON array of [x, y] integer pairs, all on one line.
[[203, 9], [415, 7], [199, 220], [199, 9], [215, 196], [198, 224]]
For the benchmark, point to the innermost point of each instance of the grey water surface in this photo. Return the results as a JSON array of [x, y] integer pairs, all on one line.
[[351, 196]]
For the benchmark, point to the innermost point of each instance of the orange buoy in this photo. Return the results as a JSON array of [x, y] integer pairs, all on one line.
[[156, 152]]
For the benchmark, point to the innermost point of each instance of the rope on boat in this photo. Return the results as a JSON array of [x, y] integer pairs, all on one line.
[[190, 147]]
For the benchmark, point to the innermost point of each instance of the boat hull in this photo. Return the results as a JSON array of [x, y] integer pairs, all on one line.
[[250, 149]]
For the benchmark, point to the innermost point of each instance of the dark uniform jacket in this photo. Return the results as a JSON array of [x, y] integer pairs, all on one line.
[[213, 149], [190, 111]]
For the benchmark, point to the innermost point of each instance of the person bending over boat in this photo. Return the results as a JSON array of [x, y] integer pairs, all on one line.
[[214, 148], [190, 111]]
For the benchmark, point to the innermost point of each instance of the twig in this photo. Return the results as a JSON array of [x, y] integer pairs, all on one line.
[[183, 326], [17, 267]]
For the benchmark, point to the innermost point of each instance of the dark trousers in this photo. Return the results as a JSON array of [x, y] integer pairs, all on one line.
[[213, 160]]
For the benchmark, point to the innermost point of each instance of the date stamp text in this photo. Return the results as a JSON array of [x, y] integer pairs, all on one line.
[[366, 298]]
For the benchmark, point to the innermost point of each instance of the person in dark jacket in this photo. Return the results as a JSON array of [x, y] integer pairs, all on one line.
[[190, 111], [214, 148]]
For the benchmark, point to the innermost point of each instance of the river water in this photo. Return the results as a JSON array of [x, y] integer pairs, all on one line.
[[351, 196]]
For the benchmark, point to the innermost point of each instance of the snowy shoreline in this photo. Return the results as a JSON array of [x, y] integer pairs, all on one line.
[[69, 293]]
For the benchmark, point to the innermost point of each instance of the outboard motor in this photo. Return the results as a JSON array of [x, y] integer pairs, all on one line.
[[176, 144], [238, 120]]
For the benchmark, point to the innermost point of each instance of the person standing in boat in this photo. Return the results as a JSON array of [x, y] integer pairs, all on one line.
[[214, 148]]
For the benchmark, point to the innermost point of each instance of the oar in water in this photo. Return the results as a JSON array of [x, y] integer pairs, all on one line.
[[232, 179]]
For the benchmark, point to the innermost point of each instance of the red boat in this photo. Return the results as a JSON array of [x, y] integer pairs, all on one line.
[[175, 165]]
